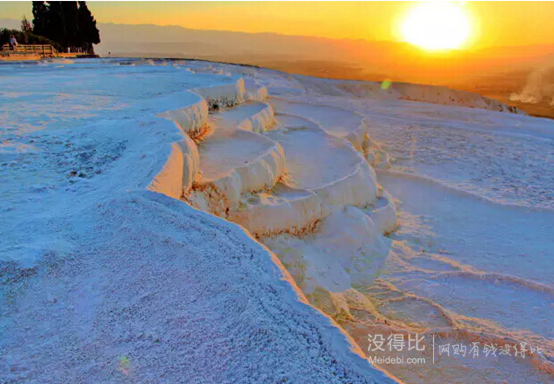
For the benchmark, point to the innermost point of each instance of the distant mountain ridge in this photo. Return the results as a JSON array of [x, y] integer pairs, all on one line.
[[496, 72], [360, 59]]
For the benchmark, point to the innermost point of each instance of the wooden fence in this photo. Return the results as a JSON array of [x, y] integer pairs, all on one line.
[[35, 49]]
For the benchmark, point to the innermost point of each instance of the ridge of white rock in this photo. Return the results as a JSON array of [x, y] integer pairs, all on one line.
[[326, 165], [298, 180], [254, 91], [136, 285], [191, 119], [280, 209], [254, 116], [226, 95], [336, 250], [235, 160], [335, 121], [433, 94], [301, 181]]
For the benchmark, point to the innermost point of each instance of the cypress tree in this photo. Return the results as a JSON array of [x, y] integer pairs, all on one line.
[[69, 23], [70, 13], [39, 17], [55, 28], [25, 25], [89, 34]]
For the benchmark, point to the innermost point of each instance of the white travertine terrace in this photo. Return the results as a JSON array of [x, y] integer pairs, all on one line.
[[300, 180], [261, 170], [135, 273], [125, 274]]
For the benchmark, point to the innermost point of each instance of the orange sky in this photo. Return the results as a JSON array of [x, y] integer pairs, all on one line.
[[494, 23]]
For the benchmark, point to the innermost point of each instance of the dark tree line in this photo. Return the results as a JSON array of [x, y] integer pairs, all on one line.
[[69, 23]]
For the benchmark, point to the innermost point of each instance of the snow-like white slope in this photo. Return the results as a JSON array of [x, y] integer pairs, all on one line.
[[155, 289], [401, 91], [472, 257], [470, 260], [345, 250], [495, 156], [467, 260], [280, 209], [335, 121], [105, 281], [328, 166], [321, 189], [235, 160], [222, 154]]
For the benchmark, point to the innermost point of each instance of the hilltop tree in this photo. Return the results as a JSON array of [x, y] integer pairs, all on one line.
[[25, 25], [40, 16], [89, 34], [55, 26], [69, 23]]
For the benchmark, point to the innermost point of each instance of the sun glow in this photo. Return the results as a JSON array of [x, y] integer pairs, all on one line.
[[437, 26]]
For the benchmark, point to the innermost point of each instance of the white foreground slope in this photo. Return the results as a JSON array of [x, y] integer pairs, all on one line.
[[182, 296], [299, 182], [104, 281], [471, 260]]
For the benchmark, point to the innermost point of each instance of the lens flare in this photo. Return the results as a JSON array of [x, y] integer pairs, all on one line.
[[437, 26]]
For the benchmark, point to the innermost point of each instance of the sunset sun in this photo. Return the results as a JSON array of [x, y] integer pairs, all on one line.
[[437, 26]]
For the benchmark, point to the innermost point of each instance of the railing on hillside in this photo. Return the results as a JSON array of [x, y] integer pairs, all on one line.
[[36, 49]]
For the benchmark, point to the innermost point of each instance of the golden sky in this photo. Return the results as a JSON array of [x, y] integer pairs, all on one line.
[[493, 23]]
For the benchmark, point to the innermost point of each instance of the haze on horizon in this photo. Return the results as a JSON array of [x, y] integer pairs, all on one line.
[[494, 24], [507, 50]]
